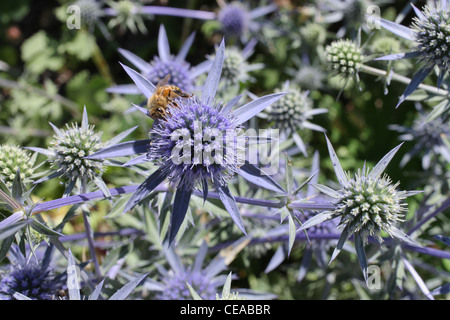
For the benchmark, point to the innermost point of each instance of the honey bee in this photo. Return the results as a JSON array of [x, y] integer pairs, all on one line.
[[164, 96]]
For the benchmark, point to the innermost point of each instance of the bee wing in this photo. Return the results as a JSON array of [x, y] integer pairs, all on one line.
[[163, 81]]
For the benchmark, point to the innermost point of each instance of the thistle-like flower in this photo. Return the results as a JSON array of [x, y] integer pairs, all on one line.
[[30, 277], [429, 140], [70, 146], [313, 34], [199, 143], [367, 205], [293, 112], [234, 19], [237, 20], [306, 75], [236, 67], [91, 12], [344, 57], [13, 158], [182, 74], [126, 15], [68, 154], [430, 31], [174, 283]]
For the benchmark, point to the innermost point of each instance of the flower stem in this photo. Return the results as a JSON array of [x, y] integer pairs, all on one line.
[[402, 79], [89, 233]]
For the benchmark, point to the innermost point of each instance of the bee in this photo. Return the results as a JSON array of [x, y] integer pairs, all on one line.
[[164, 96]]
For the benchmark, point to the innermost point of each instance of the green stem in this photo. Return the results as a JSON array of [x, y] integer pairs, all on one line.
[[89, 233], [402, 79], [99, 60]]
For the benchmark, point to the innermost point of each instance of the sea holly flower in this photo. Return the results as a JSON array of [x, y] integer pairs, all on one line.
[[126, 15], [344, 58], [306, 75], [236, 68], [31, 277], [68, 151], [182, 74], [174, 282], [367, 205], [200, 157], [237, 20], [13, 159], [430, 31], [91, 12], [199, 281], [293, 112], [302, 202], [233, 19], [429, 140]]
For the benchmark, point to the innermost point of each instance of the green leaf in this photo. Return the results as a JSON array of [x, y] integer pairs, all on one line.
[[11, 229], [305, 182], [359, 247], [43, 229], [16, 190], [227, 286], [327, 190], [96, 293], [194, 294], [346, 233], [39, 53], [396, 233], [82, 45], [318, 218], [5, 245], [126, 290], [292, 233], [289, 176], [342, 178]]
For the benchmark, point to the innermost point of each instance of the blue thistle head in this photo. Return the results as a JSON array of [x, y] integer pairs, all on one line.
[[194, 143], [432, 28], [234, 18], [176, 289], [30, 277], [179, 70], [199, 142]]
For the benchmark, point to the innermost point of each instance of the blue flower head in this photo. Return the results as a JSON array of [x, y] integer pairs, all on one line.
[[198, 144], [172, 284], [237, 20], [30, 277], [234, 18], [182, 74]]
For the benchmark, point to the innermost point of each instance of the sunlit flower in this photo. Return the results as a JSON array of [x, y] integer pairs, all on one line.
[[126, 14], [172, 283], [235, 19], [200, 143], [182, 74], [429, 140], [68, 154], [367, 205], [294, 112], [30, 277], [430, 31], [13, 158]]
